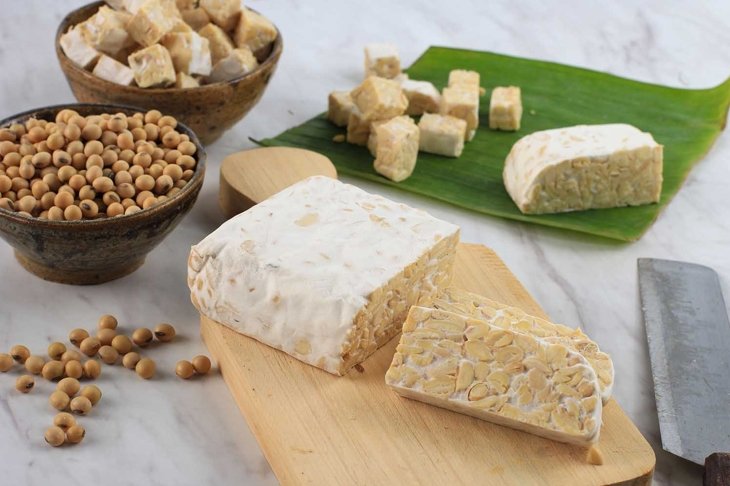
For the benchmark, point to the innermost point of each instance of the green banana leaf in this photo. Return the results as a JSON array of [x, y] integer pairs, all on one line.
[[686, 122]]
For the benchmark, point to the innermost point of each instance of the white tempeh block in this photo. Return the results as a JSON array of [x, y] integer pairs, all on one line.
[[323, 271]]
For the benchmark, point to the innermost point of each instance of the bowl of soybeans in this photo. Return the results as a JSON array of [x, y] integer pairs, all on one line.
[[88, 190]]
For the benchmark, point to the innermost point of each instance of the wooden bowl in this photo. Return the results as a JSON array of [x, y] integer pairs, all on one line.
[[98, 250], [208, 110]]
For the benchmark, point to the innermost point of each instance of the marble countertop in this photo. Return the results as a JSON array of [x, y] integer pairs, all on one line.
[[165, 431]]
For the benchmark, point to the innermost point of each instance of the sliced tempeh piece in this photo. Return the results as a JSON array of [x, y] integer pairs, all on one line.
[[512, 379], [515, 319]]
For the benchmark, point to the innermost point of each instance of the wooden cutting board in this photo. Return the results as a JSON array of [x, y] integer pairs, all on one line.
[[318, 429]]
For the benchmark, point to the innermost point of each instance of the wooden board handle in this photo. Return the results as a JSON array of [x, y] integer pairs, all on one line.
[[717, 469], [249, 177]]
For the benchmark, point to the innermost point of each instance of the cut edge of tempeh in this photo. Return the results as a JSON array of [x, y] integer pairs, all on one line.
[[479, 307], [498, 375]]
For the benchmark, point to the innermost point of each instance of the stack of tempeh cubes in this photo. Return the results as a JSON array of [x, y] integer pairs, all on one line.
[[166, 43], [378, 113]]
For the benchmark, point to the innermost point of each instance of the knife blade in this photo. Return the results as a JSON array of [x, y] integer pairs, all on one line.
[[688, 333]]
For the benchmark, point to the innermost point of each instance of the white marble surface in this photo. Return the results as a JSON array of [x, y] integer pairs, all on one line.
[[168, 432]]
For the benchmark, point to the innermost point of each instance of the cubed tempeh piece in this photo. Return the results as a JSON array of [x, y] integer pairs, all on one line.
[[423, 97], [382, 60], [584, 167], [225, 13], [380, 99], [153, 20], [322, 270], [512, 379], [179, 27], [197, 18], [221, 45], [239, 62], [76, 48], [462, 102], [113, 71], [254, 31], [515, 319], [358, 128], [130, 6], [152, 66], [394, 143], [441, 134], [106, 30], [339, 107], [190, 52], [462, 77], [185, 4], [184, 81], [505, 108]]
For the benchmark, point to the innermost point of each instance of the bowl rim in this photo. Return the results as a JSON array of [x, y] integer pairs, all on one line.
[[272, 58], [194, 181]]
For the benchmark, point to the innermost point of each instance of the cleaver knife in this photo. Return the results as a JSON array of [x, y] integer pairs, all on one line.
[[689, 344]]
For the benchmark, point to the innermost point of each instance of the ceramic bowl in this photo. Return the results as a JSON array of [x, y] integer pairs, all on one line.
[[98, 250], [208, 110]]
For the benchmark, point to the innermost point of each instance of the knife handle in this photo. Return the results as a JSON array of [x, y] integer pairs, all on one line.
[[717, 469]]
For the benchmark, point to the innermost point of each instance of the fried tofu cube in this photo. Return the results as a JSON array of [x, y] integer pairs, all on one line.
[[224, 13], [114, 71], [239, 62], [190, 52], [340, 106], [76, 48], [382, 60], [380, 98], [505, 108], [197, 18], [152, 66], [462, 77], [183, 80], [462, 102], [395, 143], [254, 30], [152, 21], [220, 44], [441, 134], [358, 128], [106, 30], [423, 97]]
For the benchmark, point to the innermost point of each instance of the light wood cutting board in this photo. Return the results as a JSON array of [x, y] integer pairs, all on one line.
[[318, 429]]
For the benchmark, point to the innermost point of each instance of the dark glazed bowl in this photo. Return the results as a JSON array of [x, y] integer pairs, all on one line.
[[98, 250], [208, 110]]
